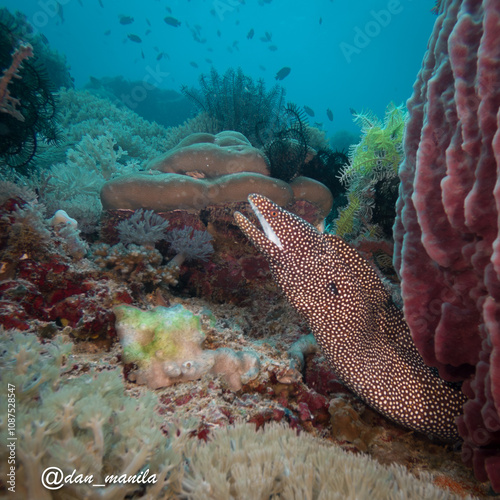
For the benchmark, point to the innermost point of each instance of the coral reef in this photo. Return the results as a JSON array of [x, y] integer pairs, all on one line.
[[207, 155], [142, 228], [85, 424], [371, 177], [163, 106], [235, 102], [82, 113], [289, 148], [190, 244], [27, 106], [238, 462], [88, 423], [138, 265], [166, 345], [446, 232], [205, 170]]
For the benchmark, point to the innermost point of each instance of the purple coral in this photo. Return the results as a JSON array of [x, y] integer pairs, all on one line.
[[190, 244], [143, 228]]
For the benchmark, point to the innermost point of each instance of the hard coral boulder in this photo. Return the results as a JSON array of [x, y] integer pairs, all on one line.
[[166, 345], [207, 155], [204, 170], [447, 232]]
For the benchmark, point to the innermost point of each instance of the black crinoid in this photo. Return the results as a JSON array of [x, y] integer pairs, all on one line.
[[35, 118], [326, 167], [288, 149], [234, 101]]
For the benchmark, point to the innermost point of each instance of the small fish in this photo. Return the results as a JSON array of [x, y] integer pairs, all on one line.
[[263, 68], [134, 38], [159, 56], [218, 33], [172, 21], [125, 19], [107, 32], [209, 61], [60, 12], [353, 111], [147, 21], [142, 54], [168, 9], [250, 34], [320, 20], [329, 113], [193, 64], [308, 110], [283, 73], [101, 4], [273, 48], [81, 3]]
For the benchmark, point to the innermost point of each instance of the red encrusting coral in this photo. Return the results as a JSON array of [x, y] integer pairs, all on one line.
[[447, 230]]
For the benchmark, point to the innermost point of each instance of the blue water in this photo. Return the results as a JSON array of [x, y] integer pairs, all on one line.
[[363, 54]]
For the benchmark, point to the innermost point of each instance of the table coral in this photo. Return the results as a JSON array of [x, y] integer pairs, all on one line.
[[447, 232], [166, 345]]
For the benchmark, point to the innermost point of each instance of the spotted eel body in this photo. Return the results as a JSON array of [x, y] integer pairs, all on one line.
[[360, 330]]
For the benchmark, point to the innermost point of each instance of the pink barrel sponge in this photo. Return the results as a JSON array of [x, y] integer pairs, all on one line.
[[447, 229]]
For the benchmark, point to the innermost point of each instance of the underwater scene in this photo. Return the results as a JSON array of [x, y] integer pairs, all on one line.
[[250, 249]]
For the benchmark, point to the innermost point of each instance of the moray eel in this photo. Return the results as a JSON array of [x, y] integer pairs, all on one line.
[[362, 333]]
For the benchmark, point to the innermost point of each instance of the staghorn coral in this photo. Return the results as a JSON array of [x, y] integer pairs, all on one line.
[[166, 345], [371, 176], [235, 102], [447, 233]]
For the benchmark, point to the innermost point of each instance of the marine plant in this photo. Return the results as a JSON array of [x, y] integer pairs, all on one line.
[[371, 176], [27, 105], [234, 101]]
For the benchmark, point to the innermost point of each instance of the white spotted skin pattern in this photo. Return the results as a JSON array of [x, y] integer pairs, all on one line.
[[362, 333]]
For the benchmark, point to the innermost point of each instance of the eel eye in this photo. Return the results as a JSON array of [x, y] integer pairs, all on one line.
[[274, 213]]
